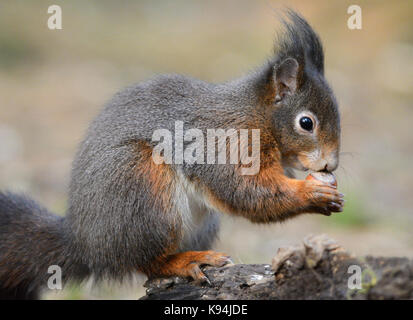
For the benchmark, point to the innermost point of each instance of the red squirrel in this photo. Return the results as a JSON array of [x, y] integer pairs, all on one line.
[[129, 214]]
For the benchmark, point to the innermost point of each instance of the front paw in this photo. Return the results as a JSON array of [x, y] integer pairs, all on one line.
[[323, 198]]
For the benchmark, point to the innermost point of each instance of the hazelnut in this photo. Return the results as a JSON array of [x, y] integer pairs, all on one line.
[[325, 177]]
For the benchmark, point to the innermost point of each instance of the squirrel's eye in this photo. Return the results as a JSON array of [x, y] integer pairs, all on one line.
[[306, 123]]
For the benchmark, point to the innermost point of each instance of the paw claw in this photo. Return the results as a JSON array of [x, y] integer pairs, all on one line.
[[205, 279]]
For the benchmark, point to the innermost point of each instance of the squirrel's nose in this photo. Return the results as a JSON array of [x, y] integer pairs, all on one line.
[[329, 161], [331, 165]]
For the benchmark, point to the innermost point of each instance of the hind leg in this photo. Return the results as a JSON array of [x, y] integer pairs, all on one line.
[[193, 253], [188, 264]]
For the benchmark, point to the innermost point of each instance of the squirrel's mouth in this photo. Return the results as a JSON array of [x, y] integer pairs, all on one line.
[[298, 165]]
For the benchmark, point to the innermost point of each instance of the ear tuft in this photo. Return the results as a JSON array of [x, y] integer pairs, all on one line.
[[285, 78]]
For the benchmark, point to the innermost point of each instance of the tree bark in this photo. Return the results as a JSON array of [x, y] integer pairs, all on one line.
[[317, 269]]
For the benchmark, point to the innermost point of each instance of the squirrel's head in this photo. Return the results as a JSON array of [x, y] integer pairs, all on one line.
[[305, 116]]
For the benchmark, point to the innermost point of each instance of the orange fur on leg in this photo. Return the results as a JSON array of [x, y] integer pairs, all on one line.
[[188, 264]]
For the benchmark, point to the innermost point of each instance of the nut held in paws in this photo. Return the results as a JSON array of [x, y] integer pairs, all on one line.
[[325, 177]]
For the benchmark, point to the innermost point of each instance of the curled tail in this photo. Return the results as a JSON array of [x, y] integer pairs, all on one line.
[[31, 240]]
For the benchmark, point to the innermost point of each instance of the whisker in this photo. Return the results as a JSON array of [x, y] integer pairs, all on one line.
[[347, 153]]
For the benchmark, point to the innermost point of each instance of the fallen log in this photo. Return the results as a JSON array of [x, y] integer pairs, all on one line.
[[317, 269]]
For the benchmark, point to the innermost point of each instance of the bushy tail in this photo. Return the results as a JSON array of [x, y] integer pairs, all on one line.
[[31, 240]]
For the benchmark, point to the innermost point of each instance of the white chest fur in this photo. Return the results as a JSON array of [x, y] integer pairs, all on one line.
[[196, 216]]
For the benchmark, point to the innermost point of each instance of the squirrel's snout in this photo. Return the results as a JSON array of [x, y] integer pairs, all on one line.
[[330, 163], [318, 161]]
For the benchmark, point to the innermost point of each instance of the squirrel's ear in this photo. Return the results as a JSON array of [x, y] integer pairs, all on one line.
[[285, 78]]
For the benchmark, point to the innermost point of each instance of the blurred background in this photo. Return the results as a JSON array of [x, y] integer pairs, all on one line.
[[53, 82]]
